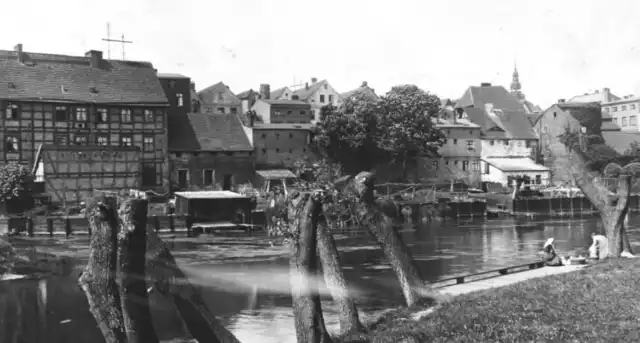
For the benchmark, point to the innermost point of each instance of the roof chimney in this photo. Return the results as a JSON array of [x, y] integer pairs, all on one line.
[[96, 58], [485, 84], [18, 49], [560, 101], [364, 84], [265, 91], [314, 80], [193, 86]]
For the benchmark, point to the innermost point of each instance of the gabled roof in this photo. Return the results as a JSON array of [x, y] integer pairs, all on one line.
[[497, 95], [207, 95], [246, 94], [205, 132], [304, 94], [364, 89], [278, 92], [71, 78]]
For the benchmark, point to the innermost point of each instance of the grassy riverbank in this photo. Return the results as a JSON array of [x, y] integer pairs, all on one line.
[[596, 304]]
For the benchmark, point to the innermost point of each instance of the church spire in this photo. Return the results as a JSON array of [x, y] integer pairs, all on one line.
[[516, 87]]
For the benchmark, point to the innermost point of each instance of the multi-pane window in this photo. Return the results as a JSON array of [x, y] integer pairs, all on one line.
[[148, 116], [102, 115], [126, 141], [81, 113], [234, 110], [102, 140], [125, 115], [465, 165], [148, 144], [61, 113], [322, 98], [470, 145], [220, 109], [475, 165], [80, 140], [633, 121], [12, 112], [180, 98], [12, 144]]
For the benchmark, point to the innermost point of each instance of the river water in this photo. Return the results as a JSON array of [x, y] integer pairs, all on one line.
[[244, 280]]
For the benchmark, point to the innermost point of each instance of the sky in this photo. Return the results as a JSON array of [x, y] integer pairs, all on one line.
[[562, 48]]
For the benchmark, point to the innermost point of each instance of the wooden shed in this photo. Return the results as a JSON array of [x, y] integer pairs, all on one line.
[[213, 206]]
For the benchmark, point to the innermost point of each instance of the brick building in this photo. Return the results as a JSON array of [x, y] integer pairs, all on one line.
[[280, 145], [85, 122], [271, 111]]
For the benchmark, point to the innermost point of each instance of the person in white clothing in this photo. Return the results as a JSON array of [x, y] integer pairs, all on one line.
[[599, 249]]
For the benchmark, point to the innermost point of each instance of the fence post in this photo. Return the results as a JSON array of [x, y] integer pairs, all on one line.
[[50, 226], [67, 226], [156, 221], [29, 226], [172, 224]]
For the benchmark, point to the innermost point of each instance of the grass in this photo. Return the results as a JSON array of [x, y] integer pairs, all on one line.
[[597, 304]]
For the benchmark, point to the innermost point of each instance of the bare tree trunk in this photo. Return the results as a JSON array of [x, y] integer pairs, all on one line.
[[97, 280], [378, 216], [335, 280], [170, 280], [304, 211], [132, 246], [612, 207]]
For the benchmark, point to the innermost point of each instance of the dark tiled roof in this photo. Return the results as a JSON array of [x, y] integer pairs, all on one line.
[[497, 95], [286, 102], [205, 132], [480, 118], [620, 141], [511, 124], [304, 94], [71, 78]]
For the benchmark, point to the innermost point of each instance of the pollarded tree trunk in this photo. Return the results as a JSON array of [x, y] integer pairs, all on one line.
[[97, 279], [304, 211], [378, 216], [335, 280], [612, 207], [171, 281], [132, 247]]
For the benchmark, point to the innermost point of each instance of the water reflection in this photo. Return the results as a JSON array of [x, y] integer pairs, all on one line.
[[252, 298]]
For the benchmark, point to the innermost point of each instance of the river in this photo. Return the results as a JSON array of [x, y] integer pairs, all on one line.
[[245, 279]]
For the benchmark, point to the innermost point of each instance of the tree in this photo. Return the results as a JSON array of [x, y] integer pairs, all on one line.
[[366, 133], [15, 187]]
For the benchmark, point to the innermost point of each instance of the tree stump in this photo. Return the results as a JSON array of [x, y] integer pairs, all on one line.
[[304, 211], [378, 216], [97, 280], [171, 281], [132, 247]]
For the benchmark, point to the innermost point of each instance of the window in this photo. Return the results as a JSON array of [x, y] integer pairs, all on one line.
[[234, 110], [470, 145], [633, 121], [322, 98], [81, 114], [220, 96], [455, 141], [276, 113], [330, 99], [12, 144], [220, 109], [264, 136], [555, 115], [487, 168], [623, 108], [505, 141], [290, 135], [125, 115], [227, 182], [209, 109], [148, 116], [126, 141], [148, 144], [101, 115], [180, 98], [475, 165], [632, 106], [207, 177], [80, 140], [148, 174], [538, 179], [102, 140], [172, 84], [61, 139], [527, 144], [303, 113], [277, 136], [624, 121], [61, 113], [465, 165], [289, 112], [434, 165], [12, 112], [183, 178], [614, 108], [492, 142]]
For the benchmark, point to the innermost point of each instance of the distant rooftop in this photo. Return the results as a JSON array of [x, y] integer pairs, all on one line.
[[172, 76], [210, 195]]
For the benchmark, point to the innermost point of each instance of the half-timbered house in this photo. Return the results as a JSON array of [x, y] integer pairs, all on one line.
[[83, 122]]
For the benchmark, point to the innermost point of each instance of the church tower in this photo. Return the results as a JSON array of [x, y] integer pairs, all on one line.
[[516, 87]]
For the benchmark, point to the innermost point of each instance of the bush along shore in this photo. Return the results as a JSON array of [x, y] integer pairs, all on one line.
[[29, 262], [594, 304]]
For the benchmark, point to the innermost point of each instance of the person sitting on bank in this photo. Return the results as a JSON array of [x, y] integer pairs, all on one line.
[[599, 249], [551, 258]]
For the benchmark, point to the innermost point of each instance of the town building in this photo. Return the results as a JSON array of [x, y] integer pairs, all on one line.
[[179, 91], [209, 152], [218, 99], [280, 145], [508, 141], [624, 111], [83, 123], [270, 111], [363, 90], [318, 94], [597, 96], [248, 98], [460, 156], [283, 93]]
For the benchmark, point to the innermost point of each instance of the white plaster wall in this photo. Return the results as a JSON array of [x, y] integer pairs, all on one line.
[[514, 148]]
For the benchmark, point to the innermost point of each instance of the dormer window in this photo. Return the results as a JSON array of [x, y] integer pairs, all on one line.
[[12, 112]]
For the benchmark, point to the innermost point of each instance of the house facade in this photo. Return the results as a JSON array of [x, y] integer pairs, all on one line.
[[219, 99], [280, 145], [177, 88], [624, 112], [282, 111], [318, 94], [81, 122]]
